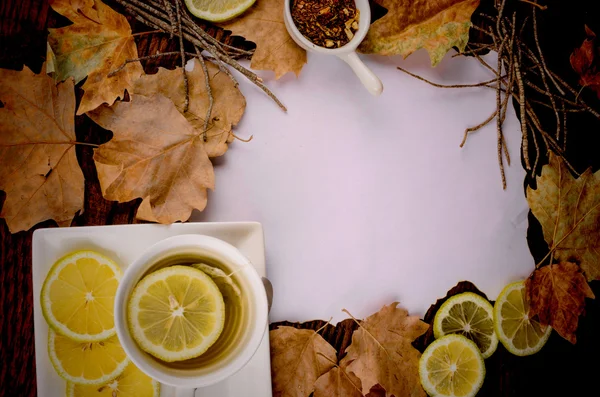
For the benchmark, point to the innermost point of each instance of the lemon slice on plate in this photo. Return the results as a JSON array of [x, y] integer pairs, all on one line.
[[131, 383], [176, 313], [218, 10], [520, 334], [470, 315], [86, 362], [78, 296], [452, 366]]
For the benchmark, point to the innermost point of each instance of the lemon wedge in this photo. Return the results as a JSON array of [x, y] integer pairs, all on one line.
[[176, 313], [452, 366], [218, 10], [131, 383], [78, 296], [470, 315], [520, 334], [86, 362]]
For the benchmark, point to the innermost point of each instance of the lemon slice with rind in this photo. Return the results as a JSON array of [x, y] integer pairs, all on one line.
[[520, 334], [470, 315], [176, 313], [78, 296], [131, 383], [452, 366], [86, 362], [218, 10]]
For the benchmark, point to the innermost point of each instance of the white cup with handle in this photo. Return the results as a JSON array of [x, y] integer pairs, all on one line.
[[347, 53], [236, 345]]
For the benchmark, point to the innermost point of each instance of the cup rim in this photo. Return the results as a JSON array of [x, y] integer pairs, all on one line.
[[365, 12], [133, 274]]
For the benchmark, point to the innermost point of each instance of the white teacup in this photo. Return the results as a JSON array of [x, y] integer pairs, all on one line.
[[235, 346]]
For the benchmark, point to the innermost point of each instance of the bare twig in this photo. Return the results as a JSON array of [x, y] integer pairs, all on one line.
[[208, 92], [128, 61], [186, 85]]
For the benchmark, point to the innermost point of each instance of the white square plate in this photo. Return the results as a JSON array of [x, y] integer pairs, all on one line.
[[124, 243]]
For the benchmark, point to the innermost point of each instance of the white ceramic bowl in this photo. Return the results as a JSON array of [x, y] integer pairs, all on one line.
[[187, 379], [347, 53]]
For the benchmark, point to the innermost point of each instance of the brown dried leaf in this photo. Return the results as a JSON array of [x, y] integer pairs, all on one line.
[[382, 353], [338, 383], [586, 62], [557, 296], [436, 25], [228, 108], [98, 42], [275, 49], [298, 358], [155, 154], [38, 165], [569, 211]]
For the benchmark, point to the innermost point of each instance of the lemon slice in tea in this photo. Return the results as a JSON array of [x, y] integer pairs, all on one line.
[[452, 366], [520, 334], [131, 383], [219, 10], [470, 315], [78, 296], [176, 313], [86, 362]]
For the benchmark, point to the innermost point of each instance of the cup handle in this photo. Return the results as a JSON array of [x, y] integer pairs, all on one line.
[[184, 392], [366, 76]]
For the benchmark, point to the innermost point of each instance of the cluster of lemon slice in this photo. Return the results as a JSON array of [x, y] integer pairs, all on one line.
[[77, 300], [467, 329]]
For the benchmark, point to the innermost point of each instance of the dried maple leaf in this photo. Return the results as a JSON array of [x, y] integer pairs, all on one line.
[[382, 353], [586, 62], [338, 383], [557, 296], [569, 211], [436, 25], [275, 50], [229, 103], [38, 165], [298, 358], [155, 154], [98, 41]]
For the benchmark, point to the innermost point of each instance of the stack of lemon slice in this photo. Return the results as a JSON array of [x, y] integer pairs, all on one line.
[[77, 300]]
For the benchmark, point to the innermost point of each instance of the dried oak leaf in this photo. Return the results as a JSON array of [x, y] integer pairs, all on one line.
[[436, 25], [337, 382], [155, 154], [38, 165], [382, 353], [557, 296], [298, 358], [98, 41], [586, 62], [228, 108], [569, 211], [275, 50]]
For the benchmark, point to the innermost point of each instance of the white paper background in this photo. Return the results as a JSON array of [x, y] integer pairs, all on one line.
[[365, 200]]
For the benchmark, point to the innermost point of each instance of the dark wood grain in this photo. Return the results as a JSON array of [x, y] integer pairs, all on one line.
[[560, 369]]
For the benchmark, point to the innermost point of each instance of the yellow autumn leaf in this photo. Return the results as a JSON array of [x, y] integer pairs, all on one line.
[[98, 42], [568, 209], [435, 25]]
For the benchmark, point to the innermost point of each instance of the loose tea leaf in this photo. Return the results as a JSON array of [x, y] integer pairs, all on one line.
[[338, 383], [275, 49], [382, 353], [326, 23], [436, 25], [38, 165], [98, 41], [557, 296], [586, 62], [228, 108], [298, 358], [569, 211], [155, 154]]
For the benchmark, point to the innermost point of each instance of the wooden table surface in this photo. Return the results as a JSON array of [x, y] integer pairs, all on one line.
[[560, 369]]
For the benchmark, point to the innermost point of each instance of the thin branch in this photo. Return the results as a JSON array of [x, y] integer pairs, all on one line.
[[484, 83], [208, 92]]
